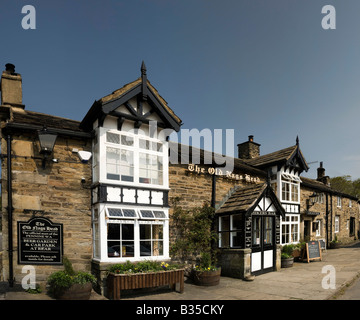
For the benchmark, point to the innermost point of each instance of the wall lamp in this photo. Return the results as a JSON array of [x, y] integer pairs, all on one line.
[[312, 199], [47, 142]]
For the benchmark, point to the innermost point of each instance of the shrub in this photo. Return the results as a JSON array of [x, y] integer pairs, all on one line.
[[141, 267], [61, 280]]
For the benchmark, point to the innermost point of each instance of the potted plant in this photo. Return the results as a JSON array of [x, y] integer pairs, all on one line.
[[70, 285], [335, 244], [298, 250], [195, 240], [205, 273], [287, 259]]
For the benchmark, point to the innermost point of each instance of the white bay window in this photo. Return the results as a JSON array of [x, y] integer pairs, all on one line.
[[131, 234], [133, 158]]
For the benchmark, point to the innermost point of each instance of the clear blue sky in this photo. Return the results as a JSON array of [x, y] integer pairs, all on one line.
[[261, 67]]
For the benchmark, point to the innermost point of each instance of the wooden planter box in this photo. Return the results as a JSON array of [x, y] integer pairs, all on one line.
[[118, 282]]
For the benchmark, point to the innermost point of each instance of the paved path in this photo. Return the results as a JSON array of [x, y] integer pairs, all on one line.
[[304, 281]]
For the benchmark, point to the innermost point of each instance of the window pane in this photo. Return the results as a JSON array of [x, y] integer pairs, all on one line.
[[157, 233], [158, 248], [113, 163], [159, 214], [224, 239], [236, 239], [112, 137], [130, 213], [127, 231], [224, 223], [256, 230], [144, 144], [145, 231], [114, 249], [127, 140], [146, 214], [236, 222], [294, 192], [113, 231], [285, 191], [127, 249], [145, 248], [268, 230]]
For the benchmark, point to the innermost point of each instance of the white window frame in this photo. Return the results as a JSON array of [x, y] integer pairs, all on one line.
[[337, 224], [350, 203], [104, 218], [338, 201], [291, 222], [291, 181], [161, 156], [318, 229]]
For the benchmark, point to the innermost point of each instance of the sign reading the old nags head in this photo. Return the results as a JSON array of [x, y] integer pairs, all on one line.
[[225, 174], [40, 241]]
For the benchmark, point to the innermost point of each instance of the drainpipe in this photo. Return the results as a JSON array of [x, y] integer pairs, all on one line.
[[331, 218], [327, 219], [10, 211], [213, 191]]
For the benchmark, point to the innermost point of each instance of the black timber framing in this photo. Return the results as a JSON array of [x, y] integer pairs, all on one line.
[[102, 195]]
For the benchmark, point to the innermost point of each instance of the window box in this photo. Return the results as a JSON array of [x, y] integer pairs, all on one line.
[[118, 282]]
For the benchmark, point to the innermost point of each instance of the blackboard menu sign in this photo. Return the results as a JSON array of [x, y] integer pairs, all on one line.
[[312, 251], [40, 241]]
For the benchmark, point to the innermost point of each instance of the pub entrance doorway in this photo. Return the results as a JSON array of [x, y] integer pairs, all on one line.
[[263, 246]]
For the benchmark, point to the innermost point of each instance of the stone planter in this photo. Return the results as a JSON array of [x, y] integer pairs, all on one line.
[[118, 282], [287, 263], [76, 292], [206, 278]]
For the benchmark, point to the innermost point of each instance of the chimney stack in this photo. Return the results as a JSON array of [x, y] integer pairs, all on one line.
[[321, 175], [248, 149], [11, 87]]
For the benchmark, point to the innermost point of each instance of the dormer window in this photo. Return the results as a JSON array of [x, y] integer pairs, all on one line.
[[134, 158], [290, 188]]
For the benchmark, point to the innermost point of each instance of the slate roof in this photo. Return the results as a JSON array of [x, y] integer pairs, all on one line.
[[41, 119], [141, 86], [18, 119], [274, 157], [184, 156], [317, 185], [242, 199]]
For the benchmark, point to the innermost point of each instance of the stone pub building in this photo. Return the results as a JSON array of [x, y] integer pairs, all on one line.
[[100, 191]]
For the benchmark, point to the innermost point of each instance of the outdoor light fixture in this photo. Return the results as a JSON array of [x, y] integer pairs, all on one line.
[[312, 198], [47, 142]]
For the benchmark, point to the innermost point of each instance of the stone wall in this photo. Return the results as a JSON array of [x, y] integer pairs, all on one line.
[[345, 212], [55, 193], [194, 189]]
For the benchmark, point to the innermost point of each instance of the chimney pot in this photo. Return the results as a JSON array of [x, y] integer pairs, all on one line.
[[10, 68], [251, 138]]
